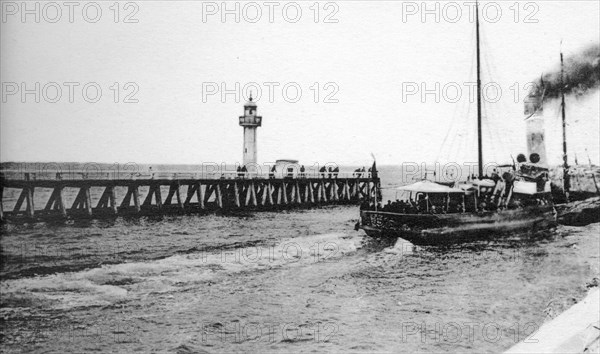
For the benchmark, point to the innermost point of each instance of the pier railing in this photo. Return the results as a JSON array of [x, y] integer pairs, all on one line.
[[172, 175]]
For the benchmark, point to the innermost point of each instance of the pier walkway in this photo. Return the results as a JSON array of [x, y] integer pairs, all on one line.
[[31, 196]]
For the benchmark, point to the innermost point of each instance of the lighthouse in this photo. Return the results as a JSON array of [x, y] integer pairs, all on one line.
[[250, 122]]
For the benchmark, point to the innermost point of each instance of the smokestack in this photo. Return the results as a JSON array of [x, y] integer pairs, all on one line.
[[534, 121]]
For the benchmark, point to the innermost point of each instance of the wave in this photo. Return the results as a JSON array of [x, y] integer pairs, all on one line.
[[114, 283]]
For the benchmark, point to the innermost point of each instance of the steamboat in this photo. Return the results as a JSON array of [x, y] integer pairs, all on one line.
[[516, 198]]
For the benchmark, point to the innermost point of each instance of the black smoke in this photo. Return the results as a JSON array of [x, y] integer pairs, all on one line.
[[581, 74]]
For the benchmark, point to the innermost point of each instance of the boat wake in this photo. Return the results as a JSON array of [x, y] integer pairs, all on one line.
[[114, 283]]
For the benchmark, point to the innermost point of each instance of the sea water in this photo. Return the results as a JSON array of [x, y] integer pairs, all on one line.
[[294, 281]]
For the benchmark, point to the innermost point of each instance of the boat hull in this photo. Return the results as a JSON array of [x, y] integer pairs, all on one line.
[[579, 213], [457, 228]]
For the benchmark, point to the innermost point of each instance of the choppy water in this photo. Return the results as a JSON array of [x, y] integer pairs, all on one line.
[[300, 281]]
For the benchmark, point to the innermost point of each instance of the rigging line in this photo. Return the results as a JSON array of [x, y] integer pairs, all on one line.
[[439, 153], [490, 64], [455, 145], [505, 136], [466, 126], [491, 148], [451, 145], [502, 105], [454, 115], [457, 110], [488, 61], [454, 152], [491, 116], [487, 132], [449, 151], [491, 139], [457, 129], [502, 140], [464, 129], [472, 143], [497, 150], [454, 130], [491, 129], [461, 141]]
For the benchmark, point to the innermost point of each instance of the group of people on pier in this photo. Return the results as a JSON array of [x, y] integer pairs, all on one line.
[[329, 172], [242, 171], [290, 172], [360, 172]]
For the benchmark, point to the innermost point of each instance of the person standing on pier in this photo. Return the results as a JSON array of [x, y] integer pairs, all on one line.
[[336, 172], [244, 171], [323, 171], [272, 172], [302, 171]]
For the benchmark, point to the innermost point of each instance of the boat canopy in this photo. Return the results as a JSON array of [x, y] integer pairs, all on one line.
[[531, 188], [429, 187], [466, 186], [286, 162], [483, 182]]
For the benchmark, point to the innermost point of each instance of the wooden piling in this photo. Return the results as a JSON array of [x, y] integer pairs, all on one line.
[[200, 193], [136, 199], [252, 194], [270, 193], [219, 196], [2, 201], [113, 200]]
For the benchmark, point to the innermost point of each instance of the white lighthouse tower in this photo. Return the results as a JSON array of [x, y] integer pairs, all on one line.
[[250, 121]]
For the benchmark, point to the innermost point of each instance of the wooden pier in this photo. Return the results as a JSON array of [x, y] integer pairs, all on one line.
[[39, 197]]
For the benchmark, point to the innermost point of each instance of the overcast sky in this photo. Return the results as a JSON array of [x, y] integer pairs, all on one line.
[[357, 59]]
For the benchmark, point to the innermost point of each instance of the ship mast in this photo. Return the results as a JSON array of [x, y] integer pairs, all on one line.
[[479, 142], [566, 181]]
